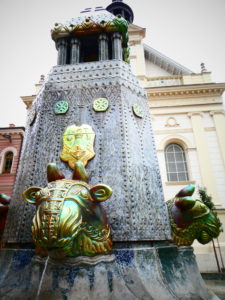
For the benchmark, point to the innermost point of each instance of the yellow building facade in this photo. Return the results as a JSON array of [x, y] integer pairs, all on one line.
[[188, 120]]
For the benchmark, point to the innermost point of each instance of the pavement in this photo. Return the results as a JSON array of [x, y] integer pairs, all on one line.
[[216, 283]]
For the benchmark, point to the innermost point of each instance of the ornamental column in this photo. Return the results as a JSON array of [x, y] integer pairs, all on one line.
[[75, 51], [117, 51], [205, 163], [219, 121], [103, 47], [61, 46]]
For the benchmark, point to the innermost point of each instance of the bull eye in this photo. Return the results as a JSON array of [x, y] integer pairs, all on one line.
[[84, 194], [44, 193]]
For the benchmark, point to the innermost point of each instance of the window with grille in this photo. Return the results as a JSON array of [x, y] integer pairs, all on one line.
[[8, 163], [176, 164]]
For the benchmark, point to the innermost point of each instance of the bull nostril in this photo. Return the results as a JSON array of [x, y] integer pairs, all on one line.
[[38, 195], [84, 194]]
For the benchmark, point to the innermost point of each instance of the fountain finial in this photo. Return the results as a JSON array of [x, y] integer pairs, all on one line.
[[119, 8]]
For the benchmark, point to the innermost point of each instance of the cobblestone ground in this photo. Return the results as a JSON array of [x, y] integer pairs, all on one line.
[[216, 283]]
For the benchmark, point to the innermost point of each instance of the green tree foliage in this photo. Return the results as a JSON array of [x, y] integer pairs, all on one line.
[[207, 200]]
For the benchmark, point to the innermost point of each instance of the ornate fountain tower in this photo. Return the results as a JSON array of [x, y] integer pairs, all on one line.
[[93, 84]]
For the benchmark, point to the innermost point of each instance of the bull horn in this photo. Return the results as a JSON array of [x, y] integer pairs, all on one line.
[[53, 173], [4, 199], [79, 172], [185, 203], [184, 200], [186, 191]]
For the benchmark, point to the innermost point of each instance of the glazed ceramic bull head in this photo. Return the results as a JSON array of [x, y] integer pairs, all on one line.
[[70, 220], [191, 219], [4, 206]]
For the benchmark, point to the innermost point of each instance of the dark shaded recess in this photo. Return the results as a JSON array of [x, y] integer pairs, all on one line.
[[90, 49], [68, 53]]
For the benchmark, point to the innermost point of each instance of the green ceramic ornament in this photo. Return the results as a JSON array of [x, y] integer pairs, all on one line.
[[61, 107], [138, 111], [100, 104]]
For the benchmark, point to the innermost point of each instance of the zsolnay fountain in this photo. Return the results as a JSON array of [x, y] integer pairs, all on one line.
[[89, 139]]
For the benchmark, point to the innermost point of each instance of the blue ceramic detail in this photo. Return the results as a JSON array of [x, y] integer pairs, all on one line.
[[124, 257], [21, 259], [110, 280]]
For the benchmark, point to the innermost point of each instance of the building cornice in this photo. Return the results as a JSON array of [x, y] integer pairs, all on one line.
[[217, 112], [28, 100], [136, 32], [165, 62], [195, 113], [181, 130], [185, 91], [11, 131]]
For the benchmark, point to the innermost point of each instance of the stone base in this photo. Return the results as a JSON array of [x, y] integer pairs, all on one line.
[[139, 271]]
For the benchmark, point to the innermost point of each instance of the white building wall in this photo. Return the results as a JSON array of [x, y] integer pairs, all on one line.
[[153, 70], [208, 120], [194, 169], [217, 164], [171, 107]]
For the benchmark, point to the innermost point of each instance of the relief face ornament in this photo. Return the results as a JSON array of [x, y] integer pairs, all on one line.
[[100, 104], [61, 107], [138, 111], [78, 144]]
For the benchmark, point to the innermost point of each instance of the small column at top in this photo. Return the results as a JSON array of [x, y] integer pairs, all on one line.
[[61, 45], [103, 47], [75, 51], [117, 46]]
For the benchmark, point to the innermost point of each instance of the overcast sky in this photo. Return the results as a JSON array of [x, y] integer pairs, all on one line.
[[188, 31]]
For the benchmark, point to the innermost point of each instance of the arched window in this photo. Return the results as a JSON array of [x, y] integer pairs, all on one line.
[[8, 163], [176, 164]]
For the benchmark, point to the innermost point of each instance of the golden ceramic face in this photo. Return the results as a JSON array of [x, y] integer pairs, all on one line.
[[78, 144]]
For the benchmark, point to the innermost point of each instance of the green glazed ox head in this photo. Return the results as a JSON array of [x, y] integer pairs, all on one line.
[[70, 220], [191, 219], [4, 206]]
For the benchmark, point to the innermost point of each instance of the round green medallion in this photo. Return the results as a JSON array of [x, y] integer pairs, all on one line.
[[61, 107], [138, 111], [100, 104]]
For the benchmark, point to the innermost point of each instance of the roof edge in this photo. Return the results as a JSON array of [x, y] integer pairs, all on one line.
[[178, 68]]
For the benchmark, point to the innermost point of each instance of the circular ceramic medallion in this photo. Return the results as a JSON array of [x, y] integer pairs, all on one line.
[[61, 107], [32, 116], [138, 111], [100, 104]]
